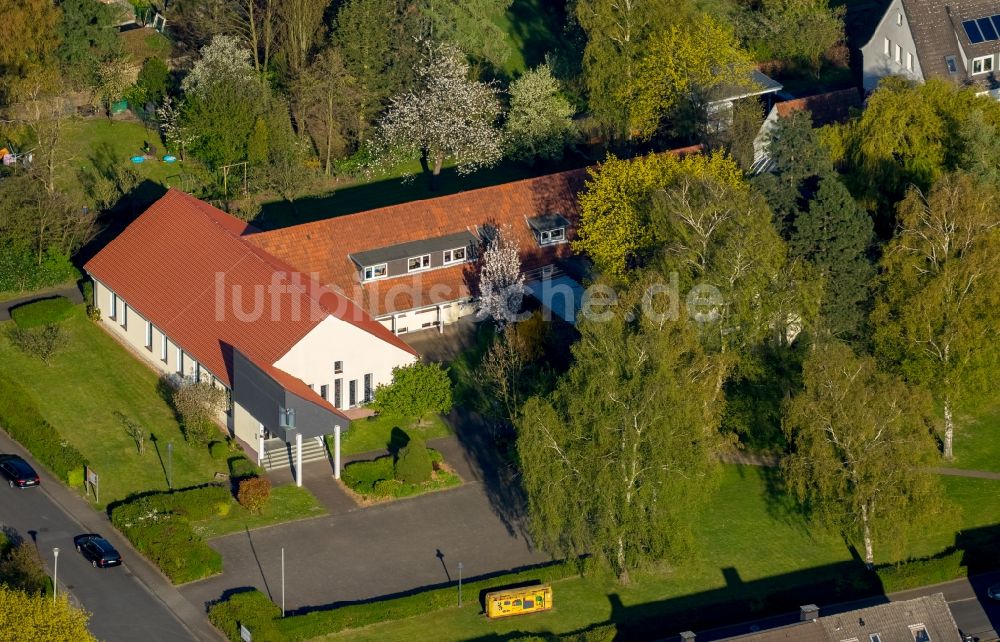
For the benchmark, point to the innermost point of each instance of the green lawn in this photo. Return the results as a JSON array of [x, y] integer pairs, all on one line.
[[287, 503], [977, 438], [751, 552], [79, 394], [96, 144], [145, 43], [375, 433]]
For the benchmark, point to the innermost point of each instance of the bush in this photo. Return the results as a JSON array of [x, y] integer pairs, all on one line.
[[24, 423], [20, 271], [21, 568], [219, 450], [197, 403], [384, 488], [361, 476], [42, 312], [242, 468], [416, 390], [413, 465], [43, 342], [158, 525], [253, 493], [253, 610], [914, 573]]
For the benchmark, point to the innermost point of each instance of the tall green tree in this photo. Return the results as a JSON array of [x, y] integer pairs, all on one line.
[[834, 235], [300, 29], [618, 34], [861, 442], [935, 317], [328, 100], [471, 25], [376, 41], [540, 119], [801, 31], [618, 460], [35, 23], [87, 37]]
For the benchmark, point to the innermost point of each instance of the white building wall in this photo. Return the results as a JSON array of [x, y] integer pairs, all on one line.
[[312, 358], [877, 65]]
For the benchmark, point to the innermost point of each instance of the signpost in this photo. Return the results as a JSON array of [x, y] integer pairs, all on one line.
[[91, 480], [245, 634]]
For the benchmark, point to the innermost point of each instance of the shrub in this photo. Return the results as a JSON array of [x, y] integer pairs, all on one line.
[[197, 403], [253, 493], [413, 465], [416, 390], [23, 421], [42, 312], [158, 525], [384, 488], [43, 342], [914, 573], [21, 568], [20, 271], [253, 610], [361, 476], [219, 450], [242, 468]]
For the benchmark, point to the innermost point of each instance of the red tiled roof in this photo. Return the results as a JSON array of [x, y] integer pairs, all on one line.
[[168, 265], [825, 108], [321, 249]]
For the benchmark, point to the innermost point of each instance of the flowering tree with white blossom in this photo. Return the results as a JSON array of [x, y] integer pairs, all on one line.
[[446, 116], [501, 281]]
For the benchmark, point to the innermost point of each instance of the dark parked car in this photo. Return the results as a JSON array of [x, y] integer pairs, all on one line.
[[18, 472], [994, 592], [98, 550]]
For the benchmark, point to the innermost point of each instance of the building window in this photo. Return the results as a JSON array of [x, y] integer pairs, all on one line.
[[197, 372], [909, 61], [338, 393], [180, 361], [874, 637], [338, 367], [886, 47], [920, 634], [899, 18], [324, 392], [373, 272], [163, 348], [548, 237], [229, 401], [286, 417], [952, 67], [418, 263], [125, 315], [982, 65], [149, 336], [899, 54], [352, 393], [369, 392], [454, 256], [113, 304]]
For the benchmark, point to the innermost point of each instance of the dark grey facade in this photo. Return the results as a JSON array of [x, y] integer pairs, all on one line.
[[396, 257], [282, 413]]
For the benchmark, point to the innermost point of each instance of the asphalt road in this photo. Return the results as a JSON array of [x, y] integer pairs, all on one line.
[[121, 607]]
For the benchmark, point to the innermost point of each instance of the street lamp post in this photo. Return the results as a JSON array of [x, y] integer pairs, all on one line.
[[170, 465], [459, 585], [282, 581], [55, 573]]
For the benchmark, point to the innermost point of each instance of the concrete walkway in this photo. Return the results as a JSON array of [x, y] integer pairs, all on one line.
[[70, 292]]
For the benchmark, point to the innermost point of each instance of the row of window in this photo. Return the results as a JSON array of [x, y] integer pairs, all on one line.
[[352, 391], [417, 263], [888, 48], [550, 237], [982, 65]]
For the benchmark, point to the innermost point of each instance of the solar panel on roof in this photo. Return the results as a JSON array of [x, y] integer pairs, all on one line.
[[987, 28], [972, 30], [996, 23]]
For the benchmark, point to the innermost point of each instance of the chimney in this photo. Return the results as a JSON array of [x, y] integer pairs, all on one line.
[[687, 636], [808, 613]]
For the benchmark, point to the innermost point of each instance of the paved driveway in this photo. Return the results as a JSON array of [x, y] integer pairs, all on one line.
[[381, 550]]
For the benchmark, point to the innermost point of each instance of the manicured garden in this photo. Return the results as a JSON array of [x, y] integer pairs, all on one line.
[[287, 503], [391, 477], [375, 433]]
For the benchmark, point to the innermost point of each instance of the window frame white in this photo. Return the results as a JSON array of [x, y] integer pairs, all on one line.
[[423, 259], [448, 256], [164, 355], [545, 236], [338, 369], [909, 61], [983, 69], [899, 18], [886, 47], [149, 336], [898, 57], [368, 273], [180, 361], [113, 304]]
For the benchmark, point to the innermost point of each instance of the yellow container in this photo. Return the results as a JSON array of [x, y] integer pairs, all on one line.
[[522, 601]]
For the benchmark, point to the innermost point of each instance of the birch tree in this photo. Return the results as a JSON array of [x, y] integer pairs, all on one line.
[[326, 97], [540, 121], [935, 316], [301, 25], [501, 281], [861, 441], [618, 459], [446, 116]]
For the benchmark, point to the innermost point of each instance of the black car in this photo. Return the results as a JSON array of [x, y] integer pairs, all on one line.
[[98, 550], [994, 592], [18, 472]]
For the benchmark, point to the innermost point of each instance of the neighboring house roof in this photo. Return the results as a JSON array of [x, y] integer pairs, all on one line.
[[757, 84], [831, 107], [892, 622], [168, 265], [324, 248], [937, 30]]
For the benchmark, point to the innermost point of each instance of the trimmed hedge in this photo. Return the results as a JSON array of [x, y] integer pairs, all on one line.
[[42, 312], [248, 607], [240, 467], [158, 525], [23, 421]]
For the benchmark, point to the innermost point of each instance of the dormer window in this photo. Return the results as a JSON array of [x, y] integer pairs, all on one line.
[[374, 272], [982, 65], [548, 237], [950, 62], [456, 255], [417, 263]]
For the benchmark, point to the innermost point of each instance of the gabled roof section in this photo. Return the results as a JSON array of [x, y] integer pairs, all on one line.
[[185, 267], [937, 31], [831, 107], [324, 248]]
